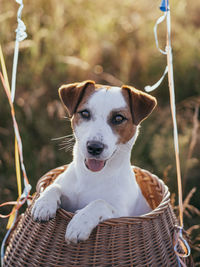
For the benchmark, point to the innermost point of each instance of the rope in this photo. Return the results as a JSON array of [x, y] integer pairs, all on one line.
[[173, 111], [149, 88], [5, 238], [159, 20], [27, 187], [179, 241], [22, 197], [20, 36]]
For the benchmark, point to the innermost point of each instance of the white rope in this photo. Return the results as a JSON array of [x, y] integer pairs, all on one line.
[[149, 88], [173, 111], [20, 36], [168, 51], [159, 20]]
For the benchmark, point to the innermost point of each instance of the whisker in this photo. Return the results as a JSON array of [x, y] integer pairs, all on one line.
[[62, 137], [69, 138], [63, 145], [67, 143], [67, 148]]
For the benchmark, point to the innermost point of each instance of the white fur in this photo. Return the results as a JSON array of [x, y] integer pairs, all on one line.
[[95, 196]]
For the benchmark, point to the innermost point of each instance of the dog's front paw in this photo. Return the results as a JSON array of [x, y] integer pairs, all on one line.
[[46, 205], [44, 209], [79, 228], [82, 224]]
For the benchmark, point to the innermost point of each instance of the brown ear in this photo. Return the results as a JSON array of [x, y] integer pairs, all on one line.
[[72, 94], [141, 104]]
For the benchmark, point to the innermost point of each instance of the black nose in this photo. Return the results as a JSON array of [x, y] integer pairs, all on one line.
[[94, 148]]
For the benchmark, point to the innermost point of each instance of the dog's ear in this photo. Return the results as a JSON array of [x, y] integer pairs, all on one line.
[[72, 94], [141, 104]]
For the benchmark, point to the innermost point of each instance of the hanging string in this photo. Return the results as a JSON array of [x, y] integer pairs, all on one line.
[[22, 197], [159, 20], [173, 111], [20, 36], [149, 88], [5, 238], [180, 242], [27, 187]]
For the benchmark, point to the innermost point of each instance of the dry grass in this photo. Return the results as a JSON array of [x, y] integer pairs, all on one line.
[[111, 42], [190, 211]]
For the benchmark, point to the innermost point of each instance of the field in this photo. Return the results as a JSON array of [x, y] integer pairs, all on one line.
[[111, 42]]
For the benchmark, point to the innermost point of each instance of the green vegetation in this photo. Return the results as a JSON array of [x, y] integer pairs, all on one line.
[[111, 42]]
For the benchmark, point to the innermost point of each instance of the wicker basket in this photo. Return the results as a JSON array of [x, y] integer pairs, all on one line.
[[127, 241]]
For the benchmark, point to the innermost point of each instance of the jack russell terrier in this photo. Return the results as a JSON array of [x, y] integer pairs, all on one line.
[[99, 184]]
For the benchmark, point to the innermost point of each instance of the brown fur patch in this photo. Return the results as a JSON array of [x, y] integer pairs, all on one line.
[[72, 94], [124, 130], [141, 104], [76, 119]]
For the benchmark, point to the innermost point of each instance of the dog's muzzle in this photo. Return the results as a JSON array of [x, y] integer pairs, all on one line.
[[94, 149]]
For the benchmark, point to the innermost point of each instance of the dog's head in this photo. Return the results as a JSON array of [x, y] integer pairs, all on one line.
[[104, 118]]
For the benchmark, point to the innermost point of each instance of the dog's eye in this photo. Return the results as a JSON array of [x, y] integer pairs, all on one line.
[[85, 114], [117, 119]]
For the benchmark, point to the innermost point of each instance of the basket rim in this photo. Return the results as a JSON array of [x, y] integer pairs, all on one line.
[[158, 211]]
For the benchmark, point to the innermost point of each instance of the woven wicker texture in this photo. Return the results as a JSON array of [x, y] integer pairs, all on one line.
[[130, 241]]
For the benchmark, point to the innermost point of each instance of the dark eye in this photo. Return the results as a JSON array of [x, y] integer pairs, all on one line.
[[117, 119], [85, 114]]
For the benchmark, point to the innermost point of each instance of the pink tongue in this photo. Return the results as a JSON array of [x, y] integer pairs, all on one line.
[[95, 165]]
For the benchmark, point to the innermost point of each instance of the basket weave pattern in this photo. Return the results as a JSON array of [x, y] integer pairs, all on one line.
[[126, 241]]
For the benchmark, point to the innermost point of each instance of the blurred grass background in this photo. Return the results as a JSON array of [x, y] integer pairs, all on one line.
[[111, 42]]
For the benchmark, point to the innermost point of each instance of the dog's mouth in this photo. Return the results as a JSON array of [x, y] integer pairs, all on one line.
[[95, 165]]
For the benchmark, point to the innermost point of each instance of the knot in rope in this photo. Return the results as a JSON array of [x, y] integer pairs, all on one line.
[[181, 247], [20, 36], [21, 31], [21, 28]]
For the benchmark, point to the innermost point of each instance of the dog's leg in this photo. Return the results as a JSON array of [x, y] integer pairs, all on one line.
[[46, 205], [83, 222]]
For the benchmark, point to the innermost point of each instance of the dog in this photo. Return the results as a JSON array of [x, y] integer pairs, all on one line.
[[99, 184]]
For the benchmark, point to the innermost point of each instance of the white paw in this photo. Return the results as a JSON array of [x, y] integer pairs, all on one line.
[[44, 209], [79, 228], [83, 222]]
